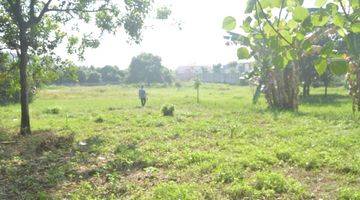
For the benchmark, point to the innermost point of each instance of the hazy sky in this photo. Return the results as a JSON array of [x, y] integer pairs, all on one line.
[[200, 42]]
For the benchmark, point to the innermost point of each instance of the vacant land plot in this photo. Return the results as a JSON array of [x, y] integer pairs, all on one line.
[[96, 143]]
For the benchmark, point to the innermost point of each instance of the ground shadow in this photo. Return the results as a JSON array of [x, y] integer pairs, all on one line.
[[322, 100], [35, 166]]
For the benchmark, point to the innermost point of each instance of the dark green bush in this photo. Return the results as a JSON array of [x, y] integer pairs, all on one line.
[[168, 110], [53, 111], [99, 119]]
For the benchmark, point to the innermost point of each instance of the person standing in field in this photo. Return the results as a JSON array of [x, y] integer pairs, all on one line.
[[142, 96]]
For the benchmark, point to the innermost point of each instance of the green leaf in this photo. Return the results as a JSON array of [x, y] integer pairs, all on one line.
[[286, 35], [320, 66], [243, 53], [320, 3], [276, 3], [229, 23], [332, 8], [327, 49], [306, 45], [292, 24], [266, 3], [355, 4], [300, 36], [269, 31], [355, 28], [300, 14], [278, 62], [353, 42], [341, 32], [250, 6], [319, 20], [339, 67], [339, 20]]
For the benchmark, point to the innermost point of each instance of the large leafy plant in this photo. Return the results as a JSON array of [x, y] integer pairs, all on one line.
[[281, 33]]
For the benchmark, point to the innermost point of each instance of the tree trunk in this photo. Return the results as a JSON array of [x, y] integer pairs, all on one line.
[[326, 84], [281, 88], [198, 98], [326, 90], [24, 99], [306, 88], [357, 101]]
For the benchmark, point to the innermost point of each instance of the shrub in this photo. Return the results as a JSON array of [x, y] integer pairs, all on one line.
[[99, 119], [53, 111], [168, 110], [284, 156]]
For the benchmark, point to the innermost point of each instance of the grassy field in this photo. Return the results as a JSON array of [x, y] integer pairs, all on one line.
[[97, 143]]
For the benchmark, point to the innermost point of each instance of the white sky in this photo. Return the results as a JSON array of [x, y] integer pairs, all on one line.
[[200, 42]]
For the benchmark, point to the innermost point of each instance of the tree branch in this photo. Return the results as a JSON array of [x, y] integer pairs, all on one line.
[[15, 12], [68, 10], [32, 9], [272, 26], [41, 15], [281, 9], [344, 10]]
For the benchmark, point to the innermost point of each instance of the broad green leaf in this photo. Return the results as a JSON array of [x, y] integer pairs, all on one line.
[[286, 35], [339, 20], [319, 20], [320, 3], [306, 45], [355, 4], [274, 43], [243, 53], [300, 36], [229, 23], [341, 32], [250, 6], [321, 65], [300, 14], [292, 24], [327, 49], [265, 3], [339, 67], [278, 62], [269, 31], [244, 40], [332, 8], [246, 25], [353, 42], [276, 3], [355, 28]]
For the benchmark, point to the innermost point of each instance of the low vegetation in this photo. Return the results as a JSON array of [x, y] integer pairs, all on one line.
[[222, 148]]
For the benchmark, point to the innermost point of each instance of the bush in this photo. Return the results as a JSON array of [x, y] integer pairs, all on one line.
[[99, 119], [53, 111], [168, 110]]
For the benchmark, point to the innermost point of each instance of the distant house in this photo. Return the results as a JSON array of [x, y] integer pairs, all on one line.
[[229, 73], [186, 73]]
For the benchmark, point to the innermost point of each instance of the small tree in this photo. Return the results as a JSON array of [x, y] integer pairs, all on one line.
[[94, 78], [147, 68], [197, 87]]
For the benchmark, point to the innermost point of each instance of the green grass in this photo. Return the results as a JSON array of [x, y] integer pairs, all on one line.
[[97, 142]]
